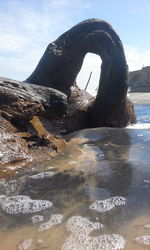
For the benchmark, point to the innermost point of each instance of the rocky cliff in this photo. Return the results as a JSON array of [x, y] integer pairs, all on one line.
[[139, 80]]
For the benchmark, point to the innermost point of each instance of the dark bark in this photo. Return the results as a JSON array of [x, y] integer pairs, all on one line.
[[20, 100], [39, 106], [62, 61], [24, 139]]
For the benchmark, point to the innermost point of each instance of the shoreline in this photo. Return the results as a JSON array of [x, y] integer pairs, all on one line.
[[139, 98]]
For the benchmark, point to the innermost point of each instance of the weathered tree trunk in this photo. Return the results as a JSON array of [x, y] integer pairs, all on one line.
[[59, 67], [63, 58], [62, 61]]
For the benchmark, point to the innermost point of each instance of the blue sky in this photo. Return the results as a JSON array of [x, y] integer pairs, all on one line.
[[28, 26]]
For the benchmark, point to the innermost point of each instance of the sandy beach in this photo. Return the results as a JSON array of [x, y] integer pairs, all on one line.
[[139, 98]]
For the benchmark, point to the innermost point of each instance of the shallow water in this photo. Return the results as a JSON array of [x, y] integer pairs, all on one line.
[[94, 195]]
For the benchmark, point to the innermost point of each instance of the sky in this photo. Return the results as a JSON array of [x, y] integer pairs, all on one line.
[[28, 26]]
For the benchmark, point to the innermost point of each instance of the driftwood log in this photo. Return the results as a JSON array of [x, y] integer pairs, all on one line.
[[58, 69], [22, 108], [19, 100], [62, 61], [24, 138]]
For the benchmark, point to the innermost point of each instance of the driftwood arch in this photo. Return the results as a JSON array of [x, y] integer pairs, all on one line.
[[63, 58], [62, 61]]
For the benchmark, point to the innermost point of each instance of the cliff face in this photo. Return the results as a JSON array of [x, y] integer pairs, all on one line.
[[139, 80]]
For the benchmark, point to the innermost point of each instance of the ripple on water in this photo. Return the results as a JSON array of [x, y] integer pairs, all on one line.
[[54, 220], [81, 227], [23, 204], [107, 204]]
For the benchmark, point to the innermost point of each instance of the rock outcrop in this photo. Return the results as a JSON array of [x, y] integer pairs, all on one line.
[[139, 80]]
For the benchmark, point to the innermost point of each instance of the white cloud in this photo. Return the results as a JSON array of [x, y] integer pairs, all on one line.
[[12, 43], [137, 59], [26, 28], [19, 68], [59, 3]]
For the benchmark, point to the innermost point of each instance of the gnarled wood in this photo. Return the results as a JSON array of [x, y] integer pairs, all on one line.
[[40, 101], [62, 61], [21, 100], [20, 103]]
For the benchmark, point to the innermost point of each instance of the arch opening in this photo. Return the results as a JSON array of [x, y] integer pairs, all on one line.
[[92, 63]]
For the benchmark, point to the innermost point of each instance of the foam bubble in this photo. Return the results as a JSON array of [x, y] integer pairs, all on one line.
[[107, 204], [54, 220], [37, 218], [25, 244], [107, 241], [79, 239], [143, 240], [140, 126], [23, 204], [81, 225], [42, 175], [146, 181]]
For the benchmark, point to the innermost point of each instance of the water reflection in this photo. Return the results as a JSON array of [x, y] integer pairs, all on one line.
[[115, 147]]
